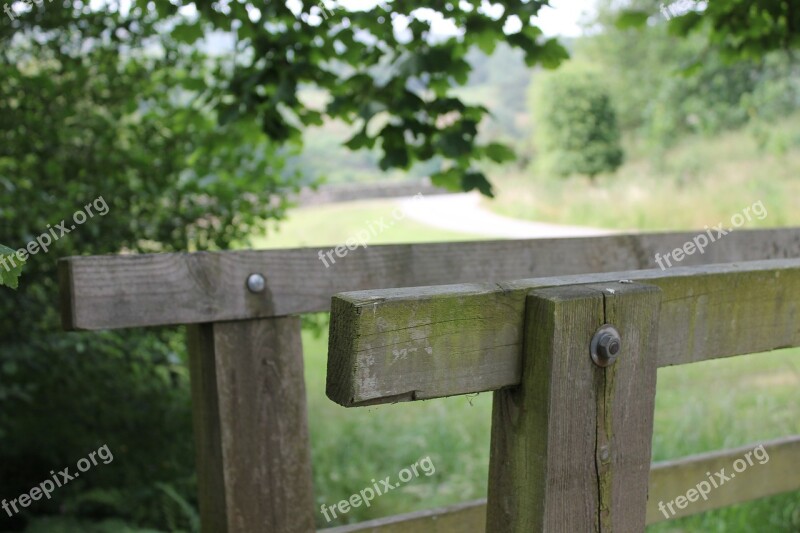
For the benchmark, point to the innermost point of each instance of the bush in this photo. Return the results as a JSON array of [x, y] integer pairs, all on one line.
[[77, 123], [575, 124]]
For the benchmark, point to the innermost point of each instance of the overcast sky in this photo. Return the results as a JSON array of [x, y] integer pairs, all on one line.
[[560, 19], [563, 17]]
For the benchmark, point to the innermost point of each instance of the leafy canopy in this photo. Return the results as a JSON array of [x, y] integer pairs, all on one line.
[[386, 70], [736, 29]]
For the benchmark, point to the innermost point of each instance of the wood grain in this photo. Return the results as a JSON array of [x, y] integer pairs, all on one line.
[[571, 444], [428, 342], [251, 431], [109, 292]]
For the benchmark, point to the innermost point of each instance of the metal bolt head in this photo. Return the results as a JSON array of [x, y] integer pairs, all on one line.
[[605, 346], [256, 283], [608, 346]]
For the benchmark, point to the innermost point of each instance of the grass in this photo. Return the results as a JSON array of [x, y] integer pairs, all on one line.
[[351, 447], [700, 182], [723, 404], [333, 224]]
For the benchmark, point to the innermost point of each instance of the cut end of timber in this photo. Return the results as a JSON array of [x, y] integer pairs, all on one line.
[[342, 342]]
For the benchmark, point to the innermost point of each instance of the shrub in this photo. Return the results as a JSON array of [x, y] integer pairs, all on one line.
[[78, 123], [575, 124]]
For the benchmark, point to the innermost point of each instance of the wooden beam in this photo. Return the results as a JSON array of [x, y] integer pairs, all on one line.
[[110, 292], [668, 479], [774, 470], [570, 446], [251, 434], [459, 518], [419, 343]]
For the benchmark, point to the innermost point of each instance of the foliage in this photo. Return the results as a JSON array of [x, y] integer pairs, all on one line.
[[84, 114], [576, 125], [667, 86], [9, 271], [70, 525], [394, 83], [735, 29], [744, 30]]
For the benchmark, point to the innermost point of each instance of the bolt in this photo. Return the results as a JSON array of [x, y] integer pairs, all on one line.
[[605, 346], [608, 346], [605, 453], [256, 283]]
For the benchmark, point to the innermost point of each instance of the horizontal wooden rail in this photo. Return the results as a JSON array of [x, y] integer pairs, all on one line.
[[458, 518], [668, 480], [419, 343], [111, 292]]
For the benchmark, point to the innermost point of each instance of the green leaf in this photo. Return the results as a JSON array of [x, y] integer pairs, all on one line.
[[360, 140], [477, 180], [632, 18], [187, 33], [10, 267], [685, 23], [499, 153], [552, 54], [449, 179]]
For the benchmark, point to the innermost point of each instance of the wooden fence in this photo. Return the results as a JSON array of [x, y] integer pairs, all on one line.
[[248, 394]]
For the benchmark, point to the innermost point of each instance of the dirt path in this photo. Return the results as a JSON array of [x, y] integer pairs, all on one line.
[[463, 213]]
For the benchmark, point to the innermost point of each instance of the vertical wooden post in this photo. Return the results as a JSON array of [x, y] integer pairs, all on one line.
[[251, 430], [571, 444]]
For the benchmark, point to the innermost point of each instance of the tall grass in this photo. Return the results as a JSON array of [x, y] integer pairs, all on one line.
[[700, 182]]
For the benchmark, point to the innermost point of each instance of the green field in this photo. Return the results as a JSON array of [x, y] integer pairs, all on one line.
[[700, 407], [702, 181], [330, 225]]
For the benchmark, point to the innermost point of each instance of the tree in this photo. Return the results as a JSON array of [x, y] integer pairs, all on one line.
[[394, 84], [676, 74], [82, 118], [743, 30], [737, 30], [575, 124]]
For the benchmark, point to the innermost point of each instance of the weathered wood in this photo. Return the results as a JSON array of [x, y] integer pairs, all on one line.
[[147, 290], [249, 404], [420, 343], [571, 445], [668, 479], [467, 517]]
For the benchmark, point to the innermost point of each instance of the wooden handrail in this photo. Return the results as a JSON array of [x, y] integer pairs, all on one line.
[[126, 291], [420, 343]]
